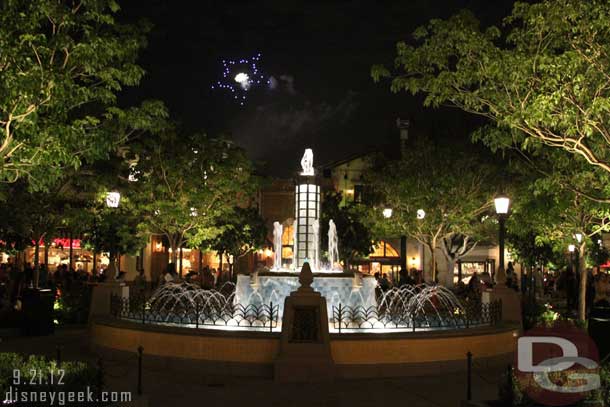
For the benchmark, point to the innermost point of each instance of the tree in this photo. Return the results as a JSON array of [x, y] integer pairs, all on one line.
[[243, 232], [544, 75], [61, 67], [187, 184], [435, 192], [551, 212], [117, 231], [455, 246], [354, 234]]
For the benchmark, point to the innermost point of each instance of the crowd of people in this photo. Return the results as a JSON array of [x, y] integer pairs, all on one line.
[[564, 284], [14, 280]]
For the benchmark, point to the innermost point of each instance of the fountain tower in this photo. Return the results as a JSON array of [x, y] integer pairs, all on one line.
[[306, 215]]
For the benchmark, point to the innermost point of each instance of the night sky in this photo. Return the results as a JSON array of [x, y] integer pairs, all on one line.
[[320, 53]]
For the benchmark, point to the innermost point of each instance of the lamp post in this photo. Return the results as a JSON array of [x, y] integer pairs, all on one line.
[[578, 237], [112, 201], [501, 203]]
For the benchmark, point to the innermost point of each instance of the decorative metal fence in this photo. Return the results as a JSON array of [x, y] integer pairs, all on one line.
[[195, 313], [345, 318]]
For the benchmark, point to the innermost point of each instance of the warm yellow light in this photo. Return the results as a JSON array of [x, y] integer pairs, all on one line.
[[387, 213], [349, 191], [268, 253]]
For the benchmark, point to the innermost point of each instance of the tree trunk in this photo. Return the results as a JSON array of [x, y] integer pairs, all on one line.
[[94, 269], [47, 243], [180, 267], [430, 275], [173, 244], [36, 261], [432, 251], [220, 266], [112, 267], [450, 274], [71, 253], [582, 297]]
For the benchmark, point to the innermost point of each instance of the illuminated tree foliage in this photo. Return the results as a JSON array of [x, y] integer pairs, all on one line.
[[187, 184], [243, 232], [544, 75], [453, 188], [62, 65]]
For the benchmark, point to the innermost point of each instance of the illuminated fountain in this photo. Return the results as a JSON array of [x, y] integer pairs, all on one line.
[[339, 287]]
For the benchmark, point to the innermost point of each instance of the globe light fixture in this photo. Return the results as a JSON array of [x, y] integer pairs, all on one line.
[[421, 214], [387, 213], [113, 199], [571, 248], [501, 203]]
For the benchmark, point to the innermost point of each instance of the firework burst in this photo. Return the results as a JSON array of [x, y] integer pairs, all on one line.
[[239, 76]]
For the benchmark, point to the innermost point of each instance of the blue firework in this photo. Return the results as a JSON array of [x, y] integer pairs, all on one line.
[[239, 76]]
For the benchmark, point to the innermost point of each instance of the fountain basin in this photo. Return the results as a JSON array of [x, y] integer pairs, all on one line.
[[347, 289]]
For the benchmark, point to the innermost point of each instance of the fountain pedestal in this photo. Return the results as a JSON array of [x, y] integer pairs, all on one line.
[[511, 302], [305, 353], [100, 298]]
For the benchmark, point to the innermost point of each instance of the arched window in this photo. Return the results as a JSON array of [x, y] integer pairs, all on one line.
[[384, 249]]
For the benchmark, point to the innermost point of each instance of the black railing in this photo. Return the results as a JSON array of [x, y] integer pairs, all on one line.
[[195, 313], [471, 315]]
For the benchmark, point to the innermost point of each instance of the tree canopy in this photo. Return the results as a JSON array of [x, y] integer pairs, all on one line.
[[61, 67], [436, 191], [543, 75], [187, 183]]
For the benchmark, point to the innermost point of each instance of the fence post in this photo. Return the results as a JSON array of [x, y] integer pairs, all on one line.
[[140, 350], [509, 379], [58, 356], [469, 376], [413, 320], [143, 299], [340, 316], [197, 311], [271, 316], [100, 375]]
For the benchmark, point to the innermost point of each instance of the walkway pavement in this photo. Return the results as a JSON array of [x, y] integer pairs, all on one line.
[[164, 387]]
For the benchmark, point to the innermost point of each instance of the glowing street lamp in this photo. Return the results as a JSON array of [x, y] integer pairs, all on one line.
[[113, 199], [571, 248], [578, 237], [501, 203], [387, 213]]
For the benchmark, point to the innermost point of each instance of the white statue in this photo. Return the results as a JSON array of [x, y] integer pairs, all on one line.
[[307, 162], [277, 244], [333, 244], [316, 242]]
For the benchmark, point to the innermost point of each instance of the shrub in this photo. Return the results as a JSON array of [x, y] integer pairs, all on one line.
[[36, 374]]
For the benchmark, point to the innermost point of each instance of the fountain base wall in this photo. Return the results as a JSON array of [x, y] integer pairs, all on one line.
[[355, 355]]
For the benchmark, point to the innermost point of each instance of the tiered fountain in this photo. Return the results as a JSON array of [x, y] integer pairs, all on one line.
[[338, 286]]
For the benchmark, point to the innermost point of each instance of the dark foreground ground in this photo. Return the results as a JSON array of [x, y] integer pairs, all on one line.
[[164, 387]]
